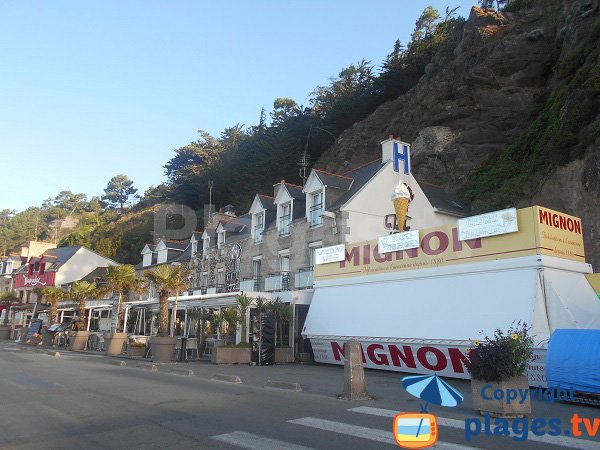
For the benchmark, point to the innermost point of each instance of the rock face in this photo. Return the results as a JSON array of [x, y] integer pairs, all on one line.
[[481, 96]]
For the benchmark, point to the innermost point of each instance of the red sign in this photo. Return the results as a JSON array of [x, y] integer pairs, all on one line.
[[35, 280]]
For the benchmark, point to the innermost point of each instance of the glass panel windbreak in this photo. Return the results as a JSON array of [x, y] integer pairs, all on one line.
[[285, 219], [316, 209], [258, 228]]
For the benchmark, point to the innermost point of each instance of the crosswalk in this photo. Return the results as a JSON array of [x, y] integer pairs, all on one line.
[[243, 439]]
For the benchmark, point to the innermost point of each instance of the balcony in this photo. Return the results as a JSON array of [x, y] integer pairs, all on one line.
[[304, 278], [251, 285], [280, 281]]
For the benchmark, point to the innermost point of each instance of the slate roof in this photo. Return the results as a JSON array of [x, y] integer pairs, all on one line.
[[268, 202], [56, 257], [175, 245], [334, 180], [361, 176], [97, 273], [444, 201]]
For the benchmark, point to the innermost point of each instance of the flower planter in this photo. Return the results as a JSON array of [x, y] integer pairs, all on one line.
[[4, 332], [47, 338], [500, 408], [113, 343], [78, 340], [136, 351], [231, 355], [284, 355], [162, 348]]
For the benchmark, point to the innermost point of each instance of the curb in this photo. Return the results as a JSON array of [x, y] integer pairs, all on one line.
[[226, 378], [273, 384]]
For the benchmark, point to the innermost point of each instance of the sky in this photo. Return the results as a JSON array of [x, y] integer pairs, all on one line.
[[89, 90]]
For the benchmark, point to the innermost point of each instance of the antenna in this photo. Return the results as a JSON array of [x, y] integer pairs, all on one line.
[[304, 162], [210, 188]]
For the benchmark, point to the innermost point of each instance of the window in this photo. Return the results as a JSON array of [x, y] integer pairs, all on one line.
[[311, 253], [194, 247], [220, 277], [259, 227], [204, 279], [205, 245], [221, 243], [316, 208], [285, 219]]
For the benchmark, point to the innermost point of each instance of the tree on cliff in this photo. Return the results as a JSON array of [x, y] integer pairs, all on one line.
[[118, 191]]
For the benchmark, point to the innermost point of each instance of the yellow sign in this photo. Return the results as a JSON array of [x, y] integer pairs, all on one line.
[[541, 231]]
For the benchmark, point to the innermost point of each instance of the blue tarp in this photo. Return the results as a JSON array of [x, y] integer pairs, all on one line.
[[573, 360]]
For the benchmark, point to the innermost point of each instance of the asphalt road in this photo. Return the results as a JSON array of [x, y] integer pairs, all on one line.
[[89, 401]]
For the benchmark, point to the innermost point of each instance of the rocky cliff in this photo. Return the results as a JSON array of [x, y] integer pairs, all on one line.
[[507, 117]]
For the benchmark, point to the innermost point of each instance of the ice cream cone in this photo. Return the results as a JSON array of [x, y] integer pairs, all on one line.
[[401, 198], [401, 208]]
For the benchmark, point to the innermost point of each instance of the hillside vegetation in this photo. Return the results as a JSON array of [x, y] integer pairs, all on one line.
[[501, 109]]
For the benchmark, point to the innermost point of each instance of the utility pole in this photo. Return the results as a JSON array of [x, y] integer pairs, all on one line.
[[210, 188]]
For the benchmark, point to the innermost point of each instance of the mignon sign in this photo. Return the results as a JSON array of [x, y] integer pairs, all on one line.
[[444, 360]]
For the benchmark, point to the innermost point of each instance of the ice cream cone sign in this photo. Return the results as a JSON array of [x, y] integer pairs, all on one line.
[[401, 197]]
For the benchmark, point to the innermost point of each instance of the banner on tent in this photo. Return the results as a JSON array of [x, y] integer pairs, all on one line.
[[420, 358]]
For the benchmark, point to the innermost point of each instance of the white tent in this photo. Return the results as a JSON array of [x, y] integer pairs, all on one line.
[[420, 320]]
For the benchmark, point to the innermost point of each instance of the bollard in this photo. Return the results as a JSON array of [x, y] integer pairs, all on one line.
[[354, 373]]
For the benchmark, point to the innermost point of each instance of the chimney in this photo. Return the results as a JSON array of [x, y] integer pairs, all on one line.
[[402, 156], [276, 188]]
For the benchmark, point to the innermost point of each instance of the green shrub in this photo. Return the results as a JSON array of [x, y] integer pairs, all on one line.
[[503, 356]]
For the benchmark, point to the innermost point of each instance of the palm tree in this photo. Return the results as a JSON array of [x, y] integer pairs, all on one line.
[[120, 280], [80, 291], [53, 295], [283, 314], [167, 279], [6, 299], [243, 304]]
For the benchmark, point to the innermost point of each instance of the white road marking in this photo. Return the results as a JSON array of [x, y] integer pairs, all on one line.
[[372, 434], [256, 442], [563, 441]]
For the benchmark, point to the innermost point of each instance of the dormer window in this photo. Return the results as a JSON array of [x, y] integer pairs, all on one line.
[[316, 208], [285, 219], [194, 247], [259, 226]]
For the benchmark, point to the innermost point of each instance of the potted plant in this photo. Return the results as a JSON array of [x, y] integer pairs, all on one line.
[[166, 279], [52, 295], [137, 349], [119, 280], [500, 363], [239, 353], [283, 314], [6, 300], [80, 291]]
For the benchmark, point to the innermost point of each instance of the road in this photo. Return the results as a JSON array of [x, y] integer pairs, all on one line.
[[89, 401]]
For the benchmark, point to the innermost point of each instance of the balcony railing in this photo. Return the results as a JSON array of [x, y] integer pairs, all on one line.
[[251, 285], [211, 290], [304, 278], [316, 215], [220, 288], [284, 225], [280, 281]]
